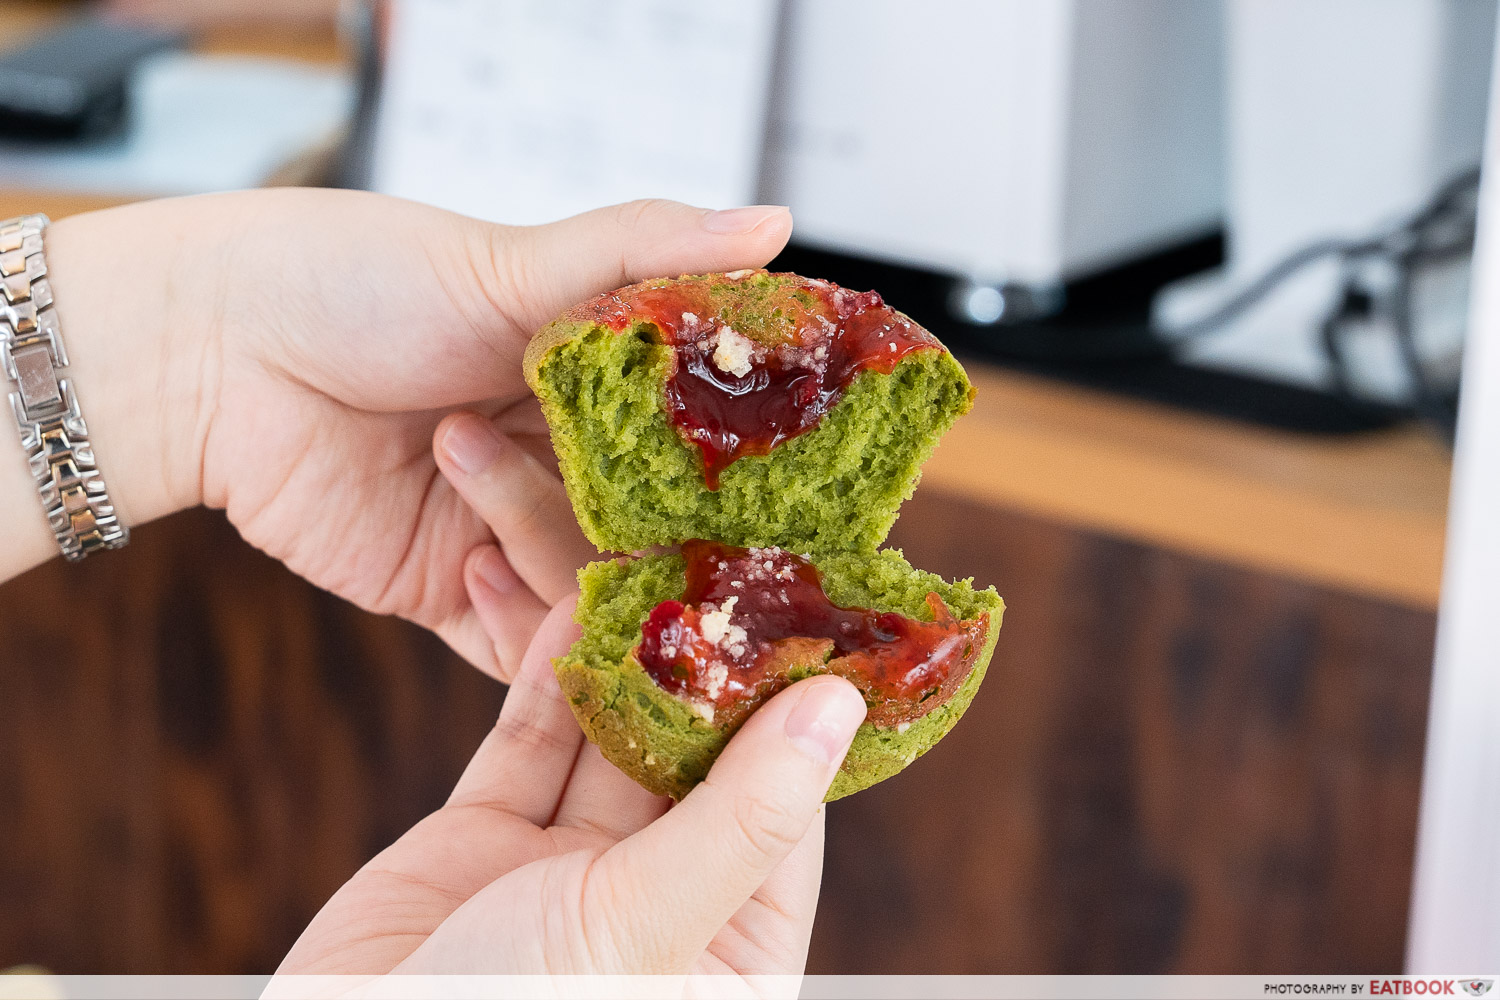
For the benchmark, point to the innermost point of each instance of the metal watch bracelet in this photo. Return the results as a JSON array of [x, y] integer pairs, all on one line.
[[53, 432]]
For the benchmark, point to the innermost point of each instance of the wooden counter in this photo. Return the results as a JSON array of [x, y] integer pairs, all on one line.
[[19, 19], [1361, 513]]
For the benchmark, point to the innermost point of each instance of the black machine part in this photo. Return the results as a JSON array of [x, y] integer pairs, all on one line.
[[73, 82]]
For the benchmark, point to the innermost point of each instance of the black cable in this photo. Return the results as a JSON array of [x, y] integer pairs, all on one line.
[[1259, 289], [1426, 399], [1440, 230], [1442, 202]]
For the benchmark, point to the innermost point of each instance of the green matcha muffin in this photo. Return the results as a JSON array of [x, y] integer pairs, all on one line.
[[677, 650], [751, 417], [752, 408]]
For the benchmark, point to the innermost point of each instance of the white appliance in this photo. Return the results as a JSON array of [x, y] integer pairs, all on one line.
[[1007, 141], [1455, 913], [1343, 116]]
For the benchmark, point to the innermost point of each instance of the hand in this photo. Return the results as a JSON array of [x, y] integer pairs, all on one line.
[[289, 356], [546, 859]]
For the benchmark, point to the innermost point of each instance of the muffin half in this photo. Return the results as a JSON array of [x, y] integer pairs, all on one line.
[[678, 650], [752, 408]]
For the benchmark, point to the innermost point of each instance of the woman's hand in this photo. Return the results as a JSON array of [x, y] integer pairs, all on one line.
[[546, 859], [290, 355]]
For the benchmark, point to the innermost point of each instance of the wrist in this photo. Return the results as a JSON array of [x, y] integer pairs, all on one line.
[[136, 367], [144, 350]]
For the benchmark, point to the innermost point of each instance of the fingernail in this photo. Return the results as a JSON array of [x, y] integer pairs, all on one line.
[[496, 572], [472, 445], [730, 221], [823, 722]]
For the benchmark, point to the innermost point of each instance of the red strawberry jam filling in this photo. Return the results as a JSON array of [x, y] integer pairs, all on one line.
[[748, 616], [743, 392]]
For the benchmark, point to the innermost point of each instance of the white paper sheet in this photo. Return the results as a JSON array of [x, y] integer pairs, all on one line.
[[526, 111]]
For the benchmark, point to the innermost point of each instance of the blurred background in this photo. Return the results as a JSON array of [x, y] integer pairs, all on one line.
[[1207, 263]]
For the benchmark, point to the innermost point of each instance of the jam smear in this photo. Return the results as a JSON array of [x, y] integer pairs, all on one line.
[[743, 392], [749, 615]]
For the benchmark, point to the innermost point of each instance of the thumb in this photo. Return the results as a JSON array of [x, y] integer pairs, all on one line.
[[554, 266], [689, 872]]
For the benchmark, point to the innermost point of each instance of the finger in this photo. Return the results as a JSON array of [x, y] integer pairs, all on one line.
[[775, 926], [555, 266], [517, 776], [523, 764], [466, 637], [521, 500], [601, 798], [693, 869], [508, 611], [524, 423]]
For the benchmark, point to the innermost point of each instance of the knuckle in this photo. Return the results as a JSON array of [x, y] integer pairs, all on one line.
[[524, 733], [530, 514], [500, 275], [768, 827], [603, 916], [513, 272], [529, 502], [638, 214]]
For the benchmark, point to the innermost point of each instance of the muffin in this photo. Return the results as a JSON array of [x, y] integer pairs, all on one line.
[[770, 425], [677, 652], [751, 408]]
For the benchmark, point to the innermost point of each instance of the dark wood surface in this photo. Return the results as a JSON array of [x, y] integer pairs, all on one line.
[[188, 781], [1175, 765]]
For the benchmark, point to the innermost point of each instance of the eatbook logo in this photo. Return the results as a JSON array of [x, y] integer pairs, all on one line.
[[1477, 987]]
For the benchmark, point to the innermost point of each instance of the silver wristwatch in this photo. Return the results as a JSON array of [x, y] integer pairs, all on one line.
[[53, 432]]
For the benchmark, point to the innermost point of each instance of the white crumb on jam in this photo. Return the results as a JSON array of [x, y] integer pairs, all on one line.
[[713, 624], [689, 319], [703, 710], [669, 651], [812, 356], [743, 272], [733, 353], [718, 676], [737, 584], [892, 346], [736, 638]]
